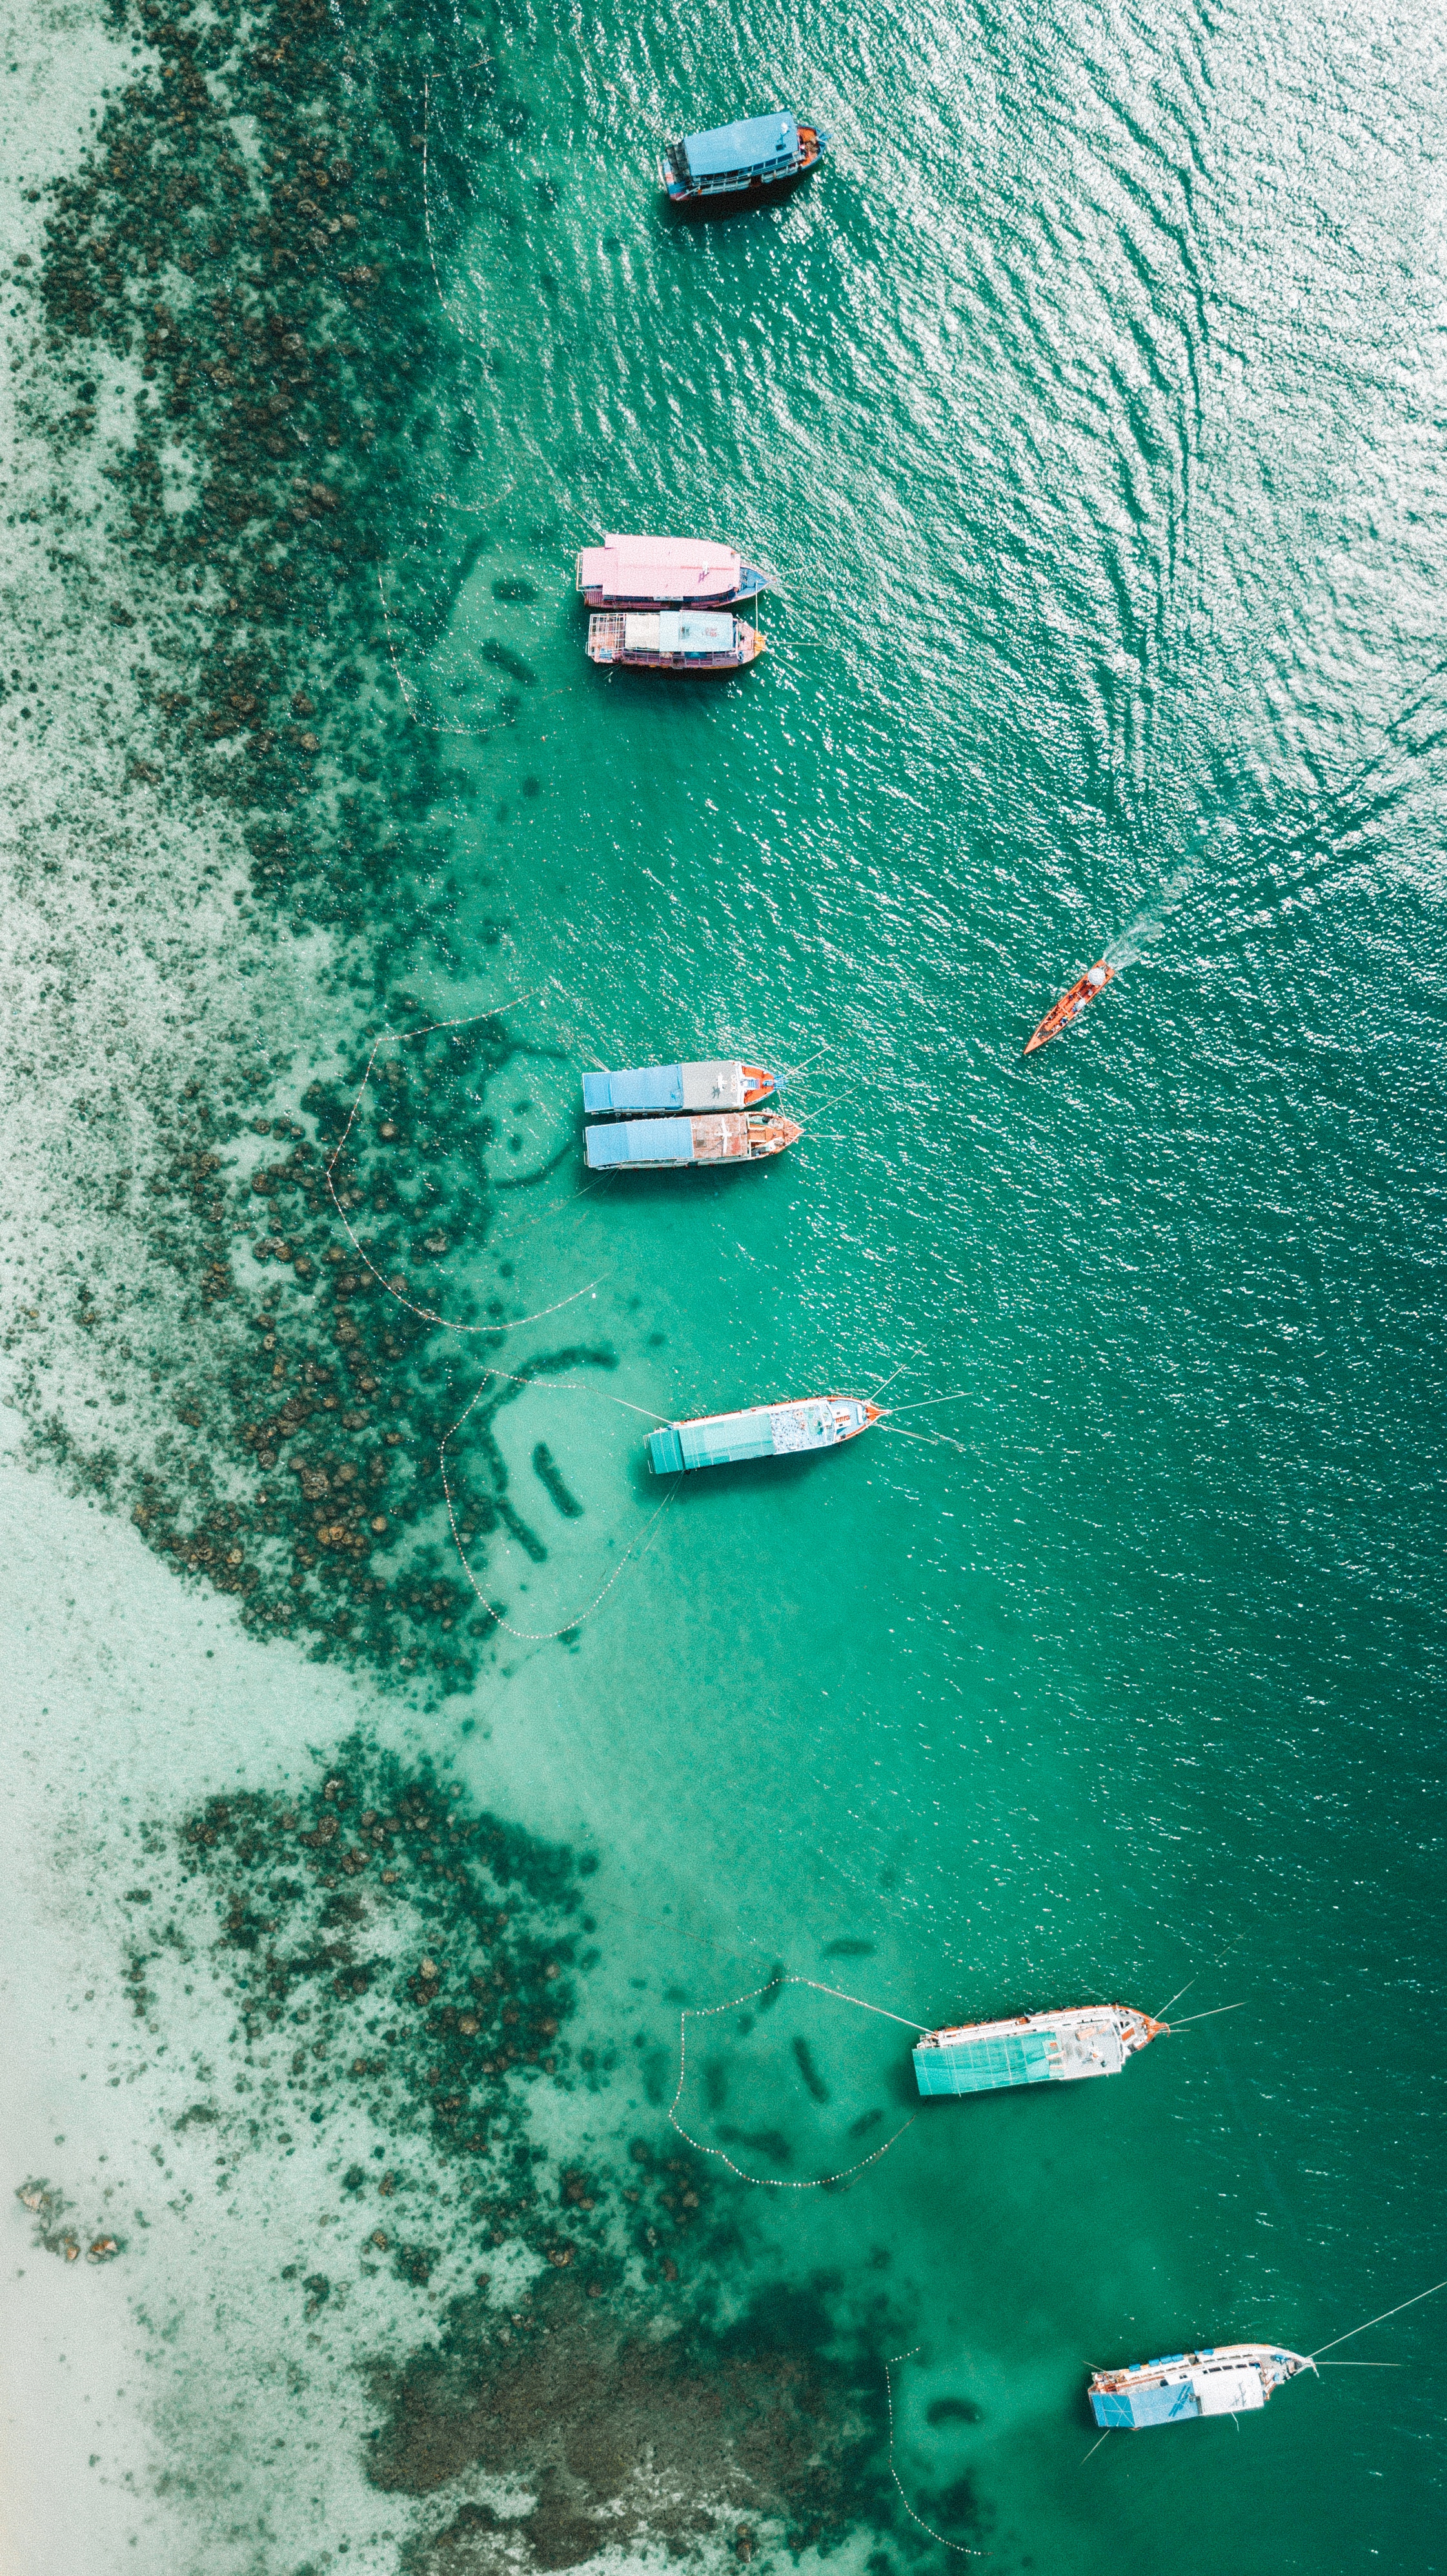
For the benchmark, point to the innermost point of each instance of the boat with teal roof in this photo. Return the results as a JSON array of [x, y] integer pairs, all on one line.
[[760, 1431], [1032, 2048], [672, 1144]]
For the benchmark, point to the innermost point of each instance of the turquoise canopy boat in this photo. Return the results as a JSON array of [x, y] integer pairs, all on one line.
[[760, 1431], [669, 1144], [1035, 2048]]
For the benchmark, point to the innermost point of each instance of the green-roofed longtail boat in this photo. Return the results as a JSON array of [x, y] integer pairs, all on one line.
[[760, 1431]]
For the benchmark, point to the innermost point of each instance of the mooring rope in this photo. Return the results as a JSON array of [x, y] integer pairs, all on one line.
[[538, 1636], [427, 1314], [773, 2182], [1378, 2321], [960, 2547]]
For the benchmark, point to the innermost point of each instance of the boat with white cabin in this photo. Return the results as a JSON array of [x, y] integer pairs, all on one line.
[[1220, 2379], [658, 1090], [695, 641], [749, 158]]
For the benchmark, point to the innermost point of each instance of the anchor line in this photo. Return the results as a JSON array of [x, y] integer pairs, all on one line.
[[773, 2182], [960, 2548], [427, 1314], [536, 1636], [1379, 2321]]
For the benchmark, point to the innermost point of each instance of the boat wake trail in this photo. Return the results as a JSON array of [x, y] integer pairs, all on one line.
[[1139, 936]]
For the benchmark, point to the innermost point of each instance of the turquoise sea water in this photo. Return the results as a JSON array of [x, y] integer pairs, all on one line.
[[1088, 404]]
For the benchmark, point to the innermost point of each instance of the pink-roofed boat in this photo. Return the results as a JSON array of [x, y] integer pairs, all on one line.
[[665, 572]]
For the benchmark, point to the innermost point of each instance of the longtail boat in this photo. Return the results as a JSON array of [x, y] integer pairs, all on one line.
[[654, 1090], [667, 1144], [1035, 2048], [1071, 1005], [745, 159], [692, 640], [760, 1431], [1221, 2379], [665, 572]]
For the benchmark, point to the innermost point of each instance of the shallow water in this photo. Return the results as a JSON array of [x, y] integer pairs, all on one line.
[[1085, 406]]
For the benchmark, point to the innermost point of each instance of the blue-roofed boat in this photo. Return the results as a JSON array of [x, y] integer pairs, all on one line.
[[659, 1090], [760, 1431], [1221, 2379], [741, 160], [670, 1144], [692, 640], [1033, 2048]]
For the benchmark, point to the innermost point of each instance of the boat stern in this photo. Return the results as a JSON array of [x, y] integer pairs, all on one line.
[[665, 1450]]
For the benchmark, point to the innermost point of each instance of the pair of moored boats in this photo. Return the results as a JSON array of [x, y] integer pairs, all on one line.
[[667, 1117], [1062, 2048], [667, 603]]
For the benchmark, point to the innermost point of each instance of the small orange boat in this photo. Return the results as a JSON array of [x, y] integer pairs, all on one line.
[[1071, 1006]]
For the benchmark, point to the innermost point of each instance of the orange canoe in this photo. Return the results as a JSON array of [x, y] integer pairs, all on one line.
[[1070, 1007]]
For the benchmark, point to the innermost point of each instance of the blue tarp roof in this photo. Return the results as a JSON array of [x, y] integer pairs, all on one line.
[[740, 147], [641, 1086], [640, 1140]]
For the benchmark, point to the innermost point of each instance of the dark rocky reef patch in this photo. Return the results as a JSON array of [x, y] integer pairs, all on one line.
[[421, 1954], [303, 1476], [247, 229], [624, 2429]]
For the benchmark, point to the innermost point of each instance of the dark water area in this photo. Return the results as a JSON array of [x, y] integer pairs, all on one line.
[[1086, 404]]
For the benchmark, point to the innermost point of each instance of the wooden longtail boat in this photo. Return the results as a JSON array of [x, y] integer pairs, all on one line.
[[1221, 2379], [668, 1144], [747, 159], [760, 1431], [665, 572], [692, 640], [657, 1090], [1071, 1005], [1034, 2048]]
